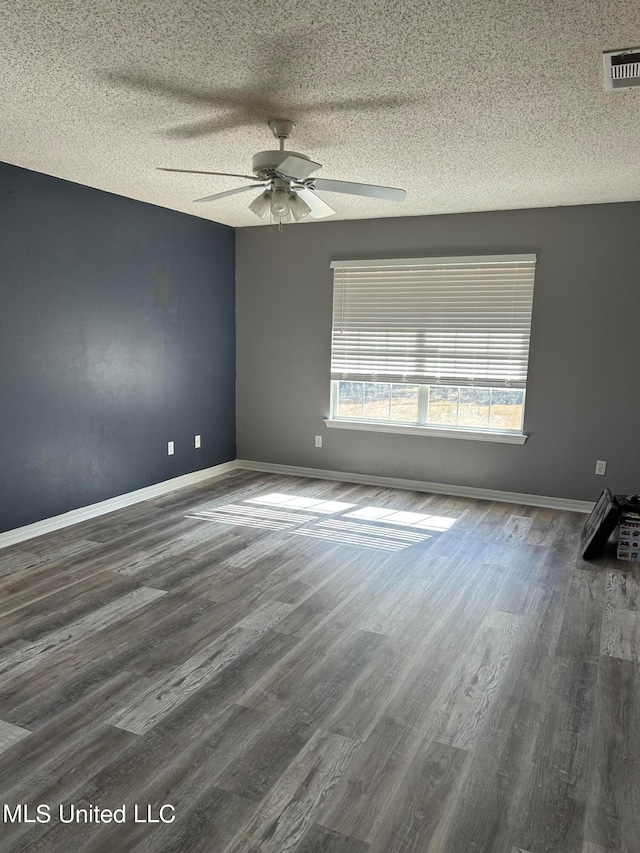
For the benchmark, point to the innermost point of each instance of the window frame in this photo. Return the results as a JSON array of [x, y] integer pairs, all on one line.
[[422, 427]]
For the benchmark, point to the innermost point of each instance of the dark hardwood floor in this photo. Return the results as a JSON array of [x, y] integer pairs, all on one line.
[[309, 666]]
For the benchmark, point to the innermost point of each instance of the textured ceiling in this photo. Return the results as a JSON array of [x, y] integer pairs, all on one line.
[[469, 105]]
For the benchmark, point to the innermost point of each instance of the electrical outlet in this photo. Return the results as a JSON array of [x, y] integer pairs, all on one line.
[[601, 467], [197, 442], [170, 448], [318, 441]]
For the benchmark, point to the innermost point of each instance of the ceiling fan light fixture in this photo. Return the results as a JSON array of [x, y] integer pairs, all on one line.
[[260, 206], [279, 204], [299, 208]]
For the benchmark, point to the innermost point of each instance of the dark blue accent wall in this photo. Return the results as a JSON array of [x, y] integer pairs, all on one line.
[[117, 335]]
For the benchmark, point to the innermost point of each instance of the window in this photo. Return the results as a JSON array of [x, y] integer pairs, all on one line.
[[432, 345]]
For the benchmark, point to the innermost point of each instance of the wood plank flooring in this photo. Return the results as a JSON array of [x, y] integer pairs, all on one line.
[[303, 666]]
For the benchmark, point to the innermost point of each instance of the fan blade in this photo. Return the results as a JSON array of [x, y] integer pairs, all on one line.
[[224, 194], [350, 188], [297, 168], [319, 208], [200, 172]]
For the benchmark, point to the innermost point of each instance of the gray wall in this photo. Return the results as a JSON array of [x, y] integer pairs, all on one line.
[[583, 396], [116, 336]]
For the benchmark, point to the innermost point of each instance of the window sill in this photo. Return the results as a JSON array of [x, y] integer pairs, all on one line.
[[437, 432]]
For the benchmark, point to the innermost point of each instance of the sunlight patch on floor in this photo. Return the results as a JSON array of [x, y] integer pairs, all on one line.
[[253, 517], [406, 519], [291, 502], [366, 527]]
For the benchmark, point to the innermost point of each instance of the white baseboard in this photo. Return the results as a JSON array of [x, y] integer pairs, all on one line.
[[47, 525], [420, 486]]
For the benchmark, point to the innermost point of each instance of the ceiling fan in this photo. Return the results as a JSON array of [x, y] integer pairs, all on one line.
[[287, 188]]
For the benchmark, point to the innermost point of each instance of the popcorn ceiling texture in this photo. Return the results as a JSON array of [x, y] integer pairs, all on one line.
[[469, 105]]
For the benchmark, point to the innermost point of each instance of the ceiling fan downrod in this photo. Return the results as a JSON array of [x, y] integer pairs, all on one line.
[[282, 128]]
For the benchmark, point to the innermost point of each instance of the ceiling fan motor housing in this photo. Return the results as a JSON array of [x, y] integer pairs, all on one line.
[[265, 163]]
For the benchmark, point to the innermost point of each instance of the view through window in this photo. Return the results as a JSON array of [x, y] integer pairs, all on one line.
[[439, 405]]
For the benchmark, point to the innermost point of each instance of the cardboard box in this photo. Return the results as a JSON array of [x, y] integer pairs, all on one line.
[[629, 538]]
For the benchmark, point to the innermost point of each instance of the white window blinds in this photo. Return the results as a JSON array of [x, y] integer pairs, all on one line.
[[456, 321]]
